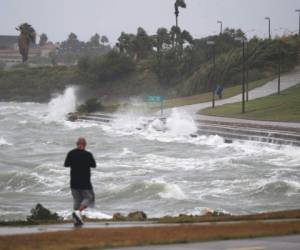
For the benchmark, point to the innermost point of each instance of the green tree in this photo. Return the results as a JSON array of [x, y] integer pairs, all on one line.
[[26, 37], [126, 43], [104, 40], [142, 44], [174, 34], [94, 41], [43, 39], [162, 39], [72, 43]]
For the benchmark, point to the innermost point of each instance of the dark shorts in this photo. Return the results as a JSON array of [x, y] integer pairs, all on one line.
[[85, 197]]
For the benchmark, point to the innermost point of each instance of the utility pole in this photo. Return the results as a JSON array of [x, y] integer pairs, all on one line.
[[243, 83], [269, 21], [221, 27], [299, 20], [213, 44], [244, 41], [247, 72], [279, 66]]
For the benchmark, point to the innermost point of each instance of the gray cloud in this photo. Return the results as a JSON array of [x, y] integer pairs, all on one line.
[[57, 18]]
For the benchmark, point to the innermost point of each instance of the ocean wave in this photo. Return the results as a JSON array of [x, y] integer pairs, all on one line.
[[91, 213], [277, 187]]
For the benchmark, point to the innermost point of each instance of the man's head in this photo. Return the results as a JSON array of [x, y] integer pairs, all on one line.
[[81, 143]]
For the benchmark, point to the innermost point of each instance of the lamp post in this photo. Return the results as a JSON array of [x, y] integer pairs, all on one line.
[[221, 26], [247, 72], [279, 66], [299, 20], [269, 21], [213, 44], [243, 40]]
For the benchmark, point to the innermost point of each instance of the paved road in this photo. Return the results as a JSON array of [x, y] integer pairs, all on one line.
[[271, 243], [287, 80]]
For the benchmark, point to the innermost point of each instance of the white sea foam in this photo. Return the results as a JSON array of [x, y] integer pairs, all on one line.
[[180, 123], [91, 213], [61, 105], [170, 190], [4, 142], [178, 127]]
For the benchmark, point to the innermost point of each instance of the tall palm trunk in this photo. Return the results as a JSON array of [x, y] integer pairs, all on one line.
[[23, 44]]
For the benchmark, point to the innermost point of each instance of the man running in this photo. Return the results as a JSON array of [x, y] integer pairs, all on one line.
[[80, 162]]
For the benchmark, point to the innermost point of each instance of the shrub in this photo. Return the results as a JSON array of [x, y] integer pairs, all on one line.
[[91, 105]]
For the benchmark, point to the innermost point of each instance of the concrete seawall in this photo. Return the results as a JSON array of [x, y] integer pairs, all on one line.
[[251, 132], [230, 129]]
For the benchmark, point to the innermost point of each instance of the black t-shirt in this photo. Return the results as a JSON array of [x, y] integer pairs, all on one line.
[[80, 162]]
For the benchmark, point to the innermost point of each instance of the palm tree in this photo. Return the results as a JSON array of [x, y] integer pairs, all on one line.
[[175, 33], [27, 36], [181, 4], [43, 39], [104, 40]]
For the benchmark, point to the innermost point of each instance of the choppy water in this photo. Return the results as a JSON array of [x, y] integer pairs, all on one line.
[[159, 169]]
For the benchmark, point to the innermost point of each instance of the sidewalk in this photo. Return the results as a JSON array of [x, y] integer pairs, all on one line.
[[287, 80], [21, 230]]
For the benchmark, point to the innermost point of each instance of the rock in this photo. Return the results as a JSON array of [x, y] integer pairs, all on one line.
[[39, 212], [118, 217], [72, 117], [228, 141], [138, 215]]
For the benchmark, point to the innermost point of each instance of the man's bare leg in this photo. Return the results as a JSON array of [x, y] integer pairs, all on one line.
[[82, 207]]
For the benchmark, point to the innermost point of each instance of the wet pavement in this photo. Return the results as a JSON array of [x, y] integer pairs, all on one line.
[[270, 243], [14, 230]]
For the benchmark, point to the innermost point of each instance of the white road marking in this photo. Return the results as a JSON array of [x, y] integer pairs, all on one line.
[[248, 248]]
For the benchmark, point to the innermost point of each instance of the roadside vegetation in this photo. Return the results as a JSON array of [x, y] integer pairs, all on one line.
[[23, 83], [207, 97], [283, 107], [170, 63]]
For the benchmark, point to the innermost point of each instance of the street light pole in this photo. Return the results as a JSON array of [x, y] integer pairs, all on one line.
[[269, 20], [279, 67], [243, 40], [243, 83], [247, 72], [213, 44], [299, 20], [221, 26]]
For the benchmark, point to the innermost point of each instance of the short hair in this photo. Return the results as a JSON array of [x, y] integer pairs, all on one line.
[[81, 141]]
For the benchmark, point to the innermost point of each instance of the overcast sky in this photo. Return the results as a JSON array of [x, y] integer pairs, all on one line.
[[57, 18]]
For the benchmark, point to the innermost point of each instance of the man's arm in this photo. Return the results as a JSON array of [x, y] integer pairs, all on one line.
[[67, 163], [92, 161]]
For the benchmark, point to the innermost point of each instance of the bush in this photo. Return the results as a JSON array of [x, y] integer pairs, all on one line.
[[91, 105], [107, 67], [39, 213]]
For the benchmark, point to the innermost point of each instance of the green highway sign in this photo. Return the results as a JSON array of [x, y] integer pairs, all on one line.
[[154, 98]]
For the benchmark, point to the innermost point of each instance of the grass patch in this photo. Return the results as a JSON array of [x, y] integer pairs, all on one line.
[[116, 237], [206, 97], [283, 107]]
